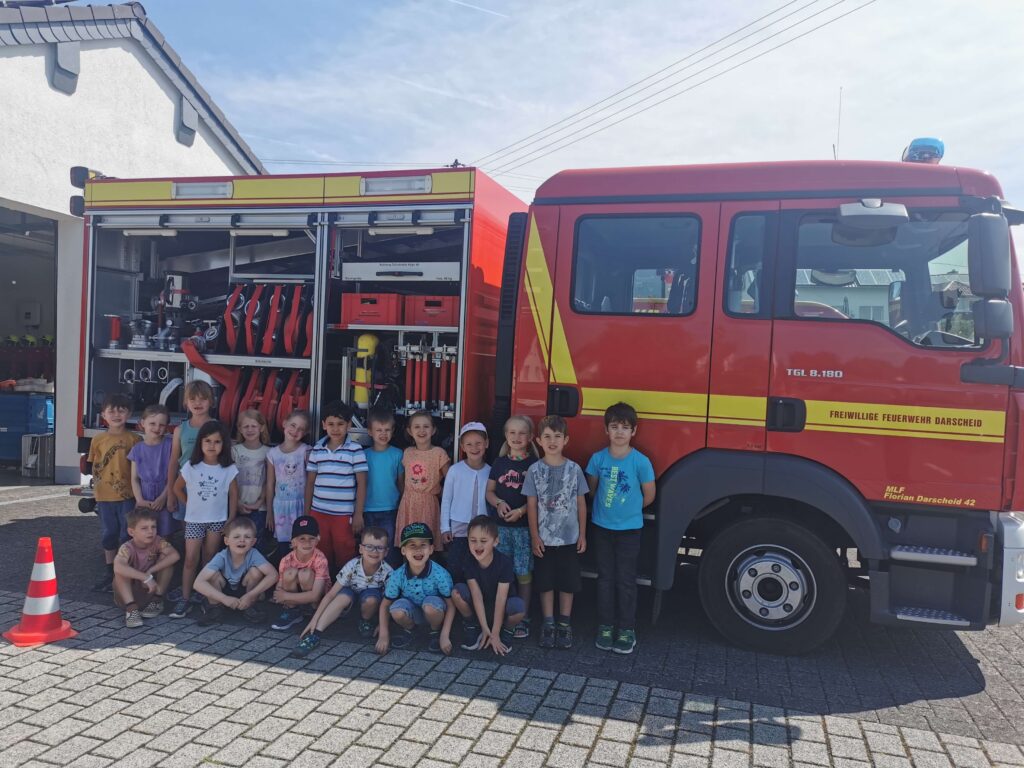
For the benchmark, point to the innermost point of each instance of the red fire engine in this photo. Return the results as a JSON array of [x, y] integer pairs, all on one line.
[[824, 355]]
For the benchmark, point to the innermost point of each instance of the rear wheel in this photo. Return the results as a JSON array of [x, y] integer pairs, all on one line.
[[772, 585]]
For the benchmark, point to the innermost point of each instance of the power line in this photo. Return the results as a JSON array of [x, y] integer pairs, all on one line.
[[538, 153], [644, 79]]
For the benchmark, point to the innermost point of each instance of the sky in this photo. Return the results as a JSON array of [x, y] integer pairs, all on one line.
[[410, 82]]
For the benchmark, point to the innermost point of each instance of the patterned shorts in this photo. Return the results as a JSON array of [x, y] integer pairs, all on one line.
[[199, 530], [514, 541]]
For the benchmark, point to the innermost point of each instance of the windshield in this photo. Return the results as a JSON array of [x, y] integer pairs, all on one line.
[[912, 279]]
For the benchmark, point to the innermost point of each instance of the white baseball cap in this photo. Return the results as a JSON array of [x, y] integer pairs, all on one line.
[[473, 426]]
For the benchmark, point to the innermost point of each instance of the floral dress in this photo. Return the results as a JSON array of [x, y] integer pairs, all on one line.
[[420, 503]]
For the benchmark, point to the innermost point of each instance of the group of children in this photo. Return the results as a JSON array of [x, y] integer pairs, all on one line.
[[407, 539]]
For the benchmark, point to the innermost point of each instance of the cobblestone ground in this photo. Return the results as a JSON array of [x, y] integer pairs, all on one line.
[[174, 693]]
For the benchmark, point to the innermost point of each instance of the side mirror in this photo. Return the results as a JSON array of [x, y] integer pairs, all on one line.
[[993, 319], [988, 255]]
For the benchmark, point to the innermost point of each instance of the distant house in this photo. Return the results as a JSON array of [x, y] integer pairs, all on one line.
[[97, 86]]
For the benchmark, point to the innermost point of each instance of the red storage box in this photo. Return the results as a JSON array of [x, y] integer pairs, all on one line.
[[371, 309], [432, 310]]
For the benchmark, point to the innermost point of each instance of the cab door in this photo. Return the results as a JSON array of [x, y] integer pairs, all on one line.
[[633, 304], [741, 349], [870, 333]]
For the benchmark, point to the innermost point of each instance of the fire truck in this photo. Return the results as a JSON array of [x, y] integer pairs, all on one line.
[[826, 357]]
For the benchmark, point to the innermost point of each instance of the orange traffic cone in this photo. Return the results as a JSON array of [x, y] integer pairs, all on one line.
[[40, 618]]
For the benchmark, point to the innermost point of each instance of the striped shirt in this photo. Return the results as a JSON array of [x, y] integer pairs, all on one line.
[[334, 490]]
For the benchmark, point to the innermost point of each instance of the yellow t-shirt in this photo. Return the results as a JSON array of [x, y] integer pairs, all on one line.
[[111, 469]]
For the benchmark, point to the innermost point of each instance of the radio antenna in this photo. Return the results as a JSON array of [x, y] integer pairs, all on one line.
[[839, 125]]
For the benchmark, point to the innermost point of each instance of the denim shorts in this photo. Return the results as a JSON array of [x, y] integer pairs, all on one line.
[[513, 605], [514, 541], [370, 593], [114, 522], [416, 611]]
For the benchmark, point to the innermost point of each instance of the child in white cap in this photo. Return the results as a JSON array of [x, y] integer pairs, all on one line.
[[464, 497]]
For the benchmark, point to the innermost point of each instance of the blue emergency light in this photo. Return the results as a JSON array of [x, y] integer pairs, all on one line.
[[925, 150]]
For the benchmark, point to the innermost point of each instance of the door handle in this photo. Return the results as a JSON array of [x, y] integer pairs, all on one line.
[[786, 414], [563, 401]]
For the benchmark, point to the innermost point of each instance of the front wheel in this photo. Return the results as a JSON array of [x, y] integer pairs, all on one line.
[[772, 585]]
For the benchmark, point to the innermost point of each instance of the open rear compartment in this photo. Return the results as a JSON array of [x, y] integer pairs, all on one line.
[[395, 308], [225, 298]]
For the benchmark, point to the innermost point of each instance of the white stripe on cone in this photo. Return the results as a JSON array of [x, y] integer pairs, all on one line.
[[41, 606], [43, 572]]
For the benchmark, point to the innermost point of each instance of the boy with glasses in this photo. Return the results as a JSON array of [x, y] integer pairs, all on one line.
[[360, 581]]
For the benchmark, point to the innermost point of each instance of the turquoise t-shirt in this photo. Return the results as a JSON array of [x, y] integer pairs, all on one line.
[[382, 484], [619, 501]]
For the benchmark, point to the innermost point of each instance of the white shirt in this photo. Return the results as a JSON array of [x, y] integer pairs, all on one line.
[[207, 486], [458, 505]]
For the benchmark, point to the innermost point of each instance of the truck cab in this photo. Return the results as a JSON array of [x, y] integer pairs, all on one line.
[[823, 359]]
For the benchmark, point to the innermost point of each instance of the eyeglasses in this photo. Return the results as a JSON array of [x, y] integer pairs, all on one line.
[[374, 547]]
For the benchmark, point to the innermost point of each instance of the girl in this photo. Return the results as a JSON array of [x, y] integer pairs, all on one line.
[[199, 399], [150, 461], [505, 494], [250, 455], [465, 488], [425, 465], [286, 480], [208, 490]]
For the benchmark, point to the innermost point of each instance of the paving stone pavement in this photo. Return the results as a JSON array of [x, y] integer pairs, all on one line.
[[176, 694]]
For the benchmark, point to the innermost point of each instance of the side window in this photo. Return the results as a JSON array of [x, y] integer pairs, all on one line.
[[912, 279], [631, 265], [748, 270]]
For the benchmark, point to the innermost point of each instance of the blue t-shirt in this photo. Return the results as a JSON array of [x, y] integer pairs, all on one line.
[[382, 484], [221, 563], [434, 581], [619, 501]]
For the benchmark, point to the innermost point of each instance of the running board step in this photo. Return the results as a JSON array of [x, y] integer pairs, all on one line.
[[931, 616], [932, 555]]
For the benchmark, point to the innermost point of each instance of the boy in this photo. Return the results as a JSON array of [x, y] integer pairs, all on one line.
[[420, 592], [112, 481], [490, 615], [143, 568], [303, 575], [556, 505], [361, 581], [621, 480], [336, 486], [236, 577], [464, 497], [385, 477]]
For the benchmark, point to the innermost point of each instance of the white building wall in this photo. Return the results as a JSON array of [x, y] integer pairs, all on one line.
[[120, 121]]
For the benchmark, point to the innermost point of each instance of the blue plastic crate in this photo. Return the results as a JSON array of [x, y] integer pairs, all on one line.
[[22, 413]]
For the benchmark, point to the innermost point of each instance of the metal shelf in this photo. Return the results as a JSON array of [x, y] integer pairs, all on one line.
[[161, 356], [396, 328]]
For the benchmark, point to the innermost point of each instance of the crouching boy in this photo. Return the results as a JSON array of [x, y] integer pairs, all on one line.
[[236, 577], [361, 580], [142, 569], [303, 575], [420, 592], [490, 615]]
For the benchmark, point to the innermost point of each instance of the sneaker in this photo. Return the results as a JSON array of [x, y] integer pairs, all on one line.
[[306, 646], [604, 637], [104, 583], [366, 629], [401, 638], [547, 635], [180, 609], [625, 641], [522, 630], [153, 609], [257, 614], [286, 619], [210, 614], [197, 599], [507, 636], [133, 619], [434, 646], [563, 637], [471, 636], [173, 594]]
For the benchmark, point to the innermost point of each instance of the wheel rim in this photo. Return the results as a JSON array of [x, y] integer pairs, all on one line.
[[770, 587]]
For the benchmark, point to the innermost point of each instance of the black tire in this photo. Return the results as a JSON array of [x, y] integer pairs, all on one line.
[[776, 615]]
